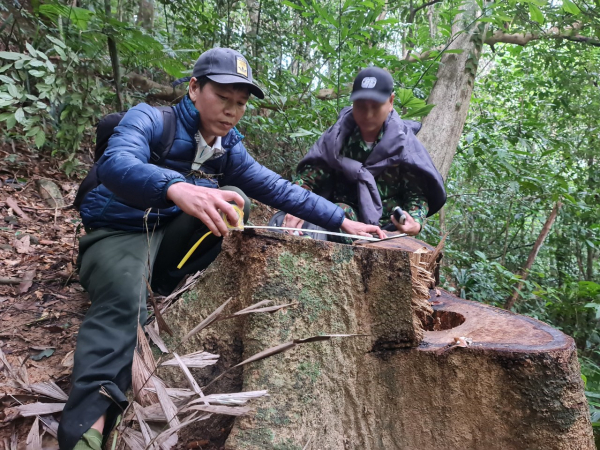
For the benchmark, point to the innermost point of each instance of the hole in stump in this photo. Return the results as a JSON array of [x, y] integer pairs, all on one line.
[[442, 320]]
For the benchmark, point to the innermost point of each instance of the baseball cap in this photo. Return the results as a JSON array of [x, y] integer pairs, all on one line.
[[372, 83], [225, 66]]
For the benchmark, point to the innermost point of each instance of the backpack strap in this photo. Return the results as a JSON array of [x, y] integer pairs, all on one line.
[[159, 154]]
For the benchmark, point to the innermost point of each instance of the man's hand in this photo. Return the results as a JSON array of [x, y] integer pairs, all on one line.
[[292, 222], [410, 226], [206, 204], [361, 229]]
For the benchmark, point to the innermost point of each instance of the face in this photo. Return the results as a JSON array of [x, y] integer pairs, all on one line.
[[221, 106], [370, 115]]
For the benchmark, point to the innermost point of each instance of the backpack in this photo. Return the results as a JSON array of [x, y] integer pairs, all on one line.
[[104, 131]]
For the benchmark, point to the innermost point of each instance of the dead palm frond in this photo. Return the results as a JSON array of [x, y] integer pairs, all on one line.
[[196, 360]]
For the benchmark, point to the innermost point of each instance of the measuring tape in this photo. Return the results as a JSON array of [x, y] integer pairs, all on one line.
[[239, 225]]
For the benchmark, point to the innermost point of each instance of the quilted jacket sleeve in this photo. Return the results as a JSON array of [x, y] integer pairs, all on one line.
[[270, 188], [125, 167]]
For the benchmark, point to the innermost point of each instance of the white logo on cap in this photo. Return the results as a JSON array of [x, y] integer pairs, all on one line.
[[369, 82]]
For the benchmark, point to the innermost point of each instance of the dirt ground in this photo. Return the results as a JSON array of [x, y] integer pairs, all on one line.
[[41, 301]]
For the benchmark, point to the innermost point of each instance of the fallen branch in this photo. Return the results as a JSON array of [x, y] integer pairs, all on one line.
[[10, 280], [12, 203]]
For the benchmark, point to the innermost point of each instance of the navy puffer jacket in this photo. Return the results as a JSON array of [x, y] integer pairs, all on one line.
[[131, 185]]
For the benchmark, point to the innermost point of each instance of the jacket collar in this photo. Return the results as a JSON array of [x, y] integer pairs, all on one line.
[[190, 119]]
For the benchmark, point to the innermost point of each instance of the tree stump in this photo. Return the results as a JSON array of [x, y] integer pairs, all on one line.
[[401, 383]]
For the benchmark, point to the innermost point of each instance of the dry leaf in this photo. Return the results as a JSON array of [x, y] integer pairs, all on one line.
[[235, 398], [166, 403], [22, 245], [154, 337], [162, 325], [188, 375], [144, 349], [133, 439], [177, 393], [43, 354], [141, 379], [68, 360], [266, 309], [33, 438], [27, 281], [251, 307], [37, 409], [50, 424], [51, 193], [206, 322], [49, 389], [147, 432], [164, 436], [197, 360], [217, 409], [269, 352]]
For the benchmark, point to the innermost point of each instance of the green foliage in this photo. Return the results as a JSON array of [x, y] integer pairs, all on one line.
[[53, 104]]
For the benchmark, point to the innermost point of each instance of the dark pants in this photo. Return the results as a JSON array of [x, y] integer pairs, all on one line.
[[114, 267]]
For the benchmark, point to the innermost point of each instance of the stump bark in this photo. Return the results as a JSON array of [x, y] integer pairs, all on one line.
[[400, 385]]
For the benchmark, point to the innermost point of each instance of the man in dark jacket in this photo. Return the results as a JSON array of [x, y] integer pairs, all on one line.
[[143, 218], [370, 162]]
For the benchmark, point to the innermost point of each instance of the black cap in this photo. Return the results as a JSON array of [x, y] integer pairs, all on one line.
[[372, 83], [226, 66]]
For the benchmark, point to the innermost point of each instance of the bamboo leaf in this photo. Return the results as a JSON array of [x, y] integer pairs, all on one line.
[[37, 409], [198, 359], [188, 375], [217, 409], [206, 322], [269, 352], [33, 438], [166, 403]]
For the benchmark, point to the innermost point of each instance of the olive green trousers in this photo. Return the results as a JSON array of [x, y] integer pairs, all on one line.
[[115, 268]]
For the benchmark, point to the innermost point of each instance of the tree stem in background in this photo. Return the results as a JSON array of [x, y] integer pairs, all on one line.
[[534, 251]]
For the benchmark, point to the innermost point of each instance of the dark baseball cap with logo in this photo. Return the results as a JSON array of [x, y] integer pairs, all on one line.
[[372, 83], [225, 66]]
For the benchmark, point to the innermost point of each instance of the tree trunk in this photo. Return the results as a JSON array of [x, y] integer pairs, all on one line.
[[377, 390], [114, 59], [145, 16], [253, 7], [443, 126], [532, 255]]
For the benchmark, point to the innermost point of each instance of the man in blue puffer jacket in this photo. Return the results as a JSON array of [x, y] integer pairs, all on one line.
[[143, 218]]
